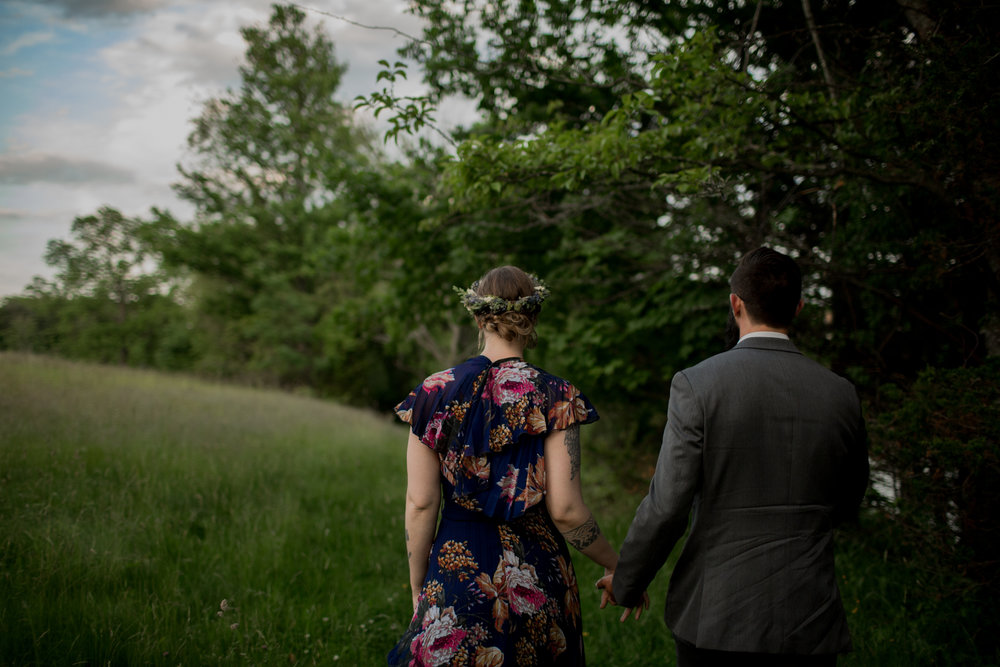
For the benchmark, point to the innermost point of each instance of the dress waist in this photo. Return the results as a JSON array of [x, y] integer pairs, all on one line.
[[454, 512]]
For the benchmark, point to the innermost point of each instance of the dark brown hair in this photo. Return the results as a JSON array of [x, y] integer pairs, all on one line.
[[770, 284]]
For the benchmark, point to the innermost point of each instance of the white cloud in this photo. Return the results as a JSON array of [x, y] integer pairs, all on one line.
[[40, 168], [26, 40], [120, 143], [15, 72]]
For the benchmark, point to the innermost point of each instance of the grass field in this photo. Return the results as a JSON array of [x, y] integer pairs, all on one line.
[[156, 519]]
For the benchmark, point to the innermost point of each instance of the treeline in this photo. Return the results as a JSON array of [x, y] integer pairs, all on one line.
[[628, 152]]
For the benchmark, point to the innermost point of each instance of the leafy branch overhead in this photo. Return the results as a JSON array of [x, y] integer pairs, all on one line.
[[406, 114]]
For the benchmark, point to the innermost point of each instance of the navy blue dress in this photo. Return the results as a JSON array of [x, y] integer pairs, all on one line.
[[500, 586]]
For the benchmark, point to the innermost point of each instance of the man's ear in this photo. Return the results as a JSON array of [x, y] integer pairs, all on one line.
[[799, 307], [736, 303]]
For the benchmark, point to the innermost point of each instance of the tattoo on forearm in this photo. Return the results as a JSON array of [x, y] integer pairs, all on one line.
[[573, 445], [409, 554], [583, 535]]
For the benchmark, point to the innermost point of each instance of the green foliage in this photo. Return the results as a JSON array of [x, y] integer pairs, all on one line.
[[741, 125], [110, 301], [937, 445], [408, 114], [275, 164]]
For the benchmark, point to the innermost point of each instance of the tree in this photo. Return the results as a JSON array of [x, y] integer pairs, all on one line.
[[273, 163], [108, 263], [859, 137], [817, 128]]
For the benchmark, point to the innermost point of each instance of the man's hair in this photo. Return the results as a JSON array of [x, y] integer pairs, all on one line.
[[770, 284]]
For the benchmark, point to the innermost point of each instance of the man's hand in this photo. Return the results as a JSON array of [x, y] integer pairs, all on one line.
[[605, 583]]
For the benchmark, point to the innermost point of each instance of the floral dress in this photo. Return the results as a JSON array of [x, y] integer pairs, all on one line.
[[500, 587]]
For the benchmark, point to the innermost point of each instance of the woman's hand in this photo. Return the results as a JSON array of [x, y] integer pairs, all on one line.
[[606, 584], [607, 590]]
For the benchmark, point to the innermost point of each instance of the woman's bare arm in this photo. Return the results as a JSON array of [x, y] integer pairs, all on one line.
[[564, 499], [423, 499]]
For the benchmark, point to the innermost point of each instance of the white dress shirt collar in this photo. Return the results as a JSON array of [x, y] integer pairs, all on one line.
[[764, 334]]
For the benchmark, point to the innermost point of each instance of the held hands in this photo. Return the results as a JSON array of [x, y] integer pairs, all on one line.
[[607, 595]]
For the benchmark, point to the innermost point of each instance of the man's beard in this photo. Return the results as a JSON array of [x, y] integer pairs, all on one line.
[[732, 335]]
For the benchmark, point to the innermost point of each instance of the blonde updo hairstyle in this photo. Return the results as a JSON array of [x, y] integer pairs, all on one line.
[[510, 283]]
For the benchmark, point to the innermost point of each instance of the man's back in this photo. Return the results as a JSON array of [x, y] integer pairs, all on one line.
[[783, 459], [766, 450]]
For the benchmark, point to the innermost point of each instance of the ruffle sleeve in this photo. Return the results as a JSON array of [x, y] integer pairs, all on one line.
[[434, 405], [488, 422], [487, 407]]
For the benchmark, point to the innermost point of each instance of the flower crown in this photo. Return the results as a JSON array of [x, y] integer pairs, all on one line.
[[478, 304]]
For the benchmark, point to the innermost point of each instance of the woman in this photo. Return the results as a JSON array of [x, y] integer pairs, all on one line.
[[496, 585]]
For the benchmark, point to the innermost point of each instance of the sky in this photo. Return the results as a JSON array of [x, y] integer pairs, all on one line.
[[97, 99]]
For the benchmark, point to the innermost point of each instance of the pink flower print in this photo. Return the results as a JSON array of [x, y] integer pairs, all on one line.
[[433, 430], [521, 583], [440, 638], [438, 380], [510, 383], [508, 484]]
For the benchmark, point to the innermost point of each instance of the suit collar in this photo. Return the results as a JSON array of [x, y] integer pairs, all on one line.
[[763, 343]]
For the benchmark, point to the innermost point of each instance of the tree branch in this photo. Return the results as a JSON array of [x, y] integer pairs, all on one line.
[[811, 22]]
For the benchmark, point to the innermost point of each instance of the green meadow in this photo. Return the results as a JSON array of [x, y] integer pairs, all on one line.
[[148, 518]]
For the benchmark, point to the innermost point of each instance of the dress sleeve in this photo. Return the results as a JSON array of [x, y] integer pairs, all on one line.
[[426, 409], [404, 410], [567, 406]]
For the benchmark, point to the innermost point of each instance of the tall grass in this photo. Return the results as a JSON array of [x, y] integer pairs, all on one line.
[[156, 519], [133, 504]]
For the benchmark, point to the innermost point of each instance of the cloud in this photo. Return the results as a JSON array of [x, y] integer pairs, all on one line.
[[15, 72], [26, 40], [103, 8], [38, 168]]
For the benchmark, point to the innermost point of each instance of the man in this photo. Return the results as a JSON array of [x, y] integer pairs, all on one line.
[[767, 451]]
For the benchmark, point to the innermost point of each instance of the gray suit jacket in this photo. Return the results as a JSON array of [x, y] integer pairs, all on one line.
[[766, 450]]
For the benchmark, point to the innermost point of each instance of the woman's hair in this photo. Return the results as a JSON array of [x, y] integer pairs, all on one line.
[[509, 283]]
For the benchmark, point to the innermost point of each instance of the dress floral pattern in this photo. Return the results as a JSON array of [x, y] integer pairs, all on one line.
[[500, 586]]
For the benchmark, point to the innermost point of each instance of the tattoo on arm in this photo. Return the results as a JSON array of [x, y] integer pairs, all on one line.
[[583, 535], [409, 554], [573, 445]]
